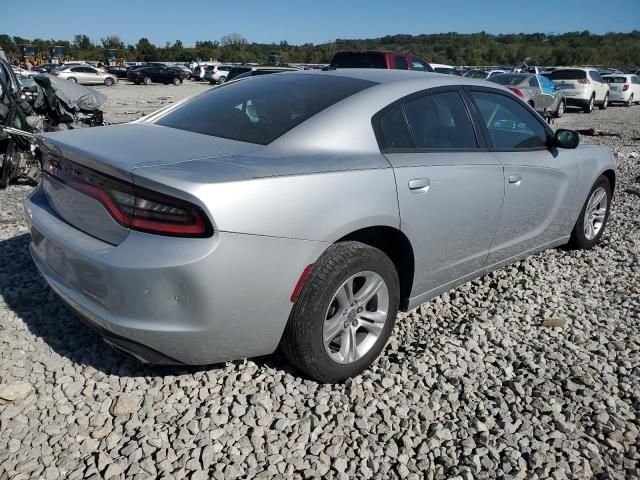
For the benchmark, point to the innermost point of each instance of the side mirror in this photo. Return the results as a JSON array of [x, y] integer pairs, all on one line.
[[566, 138]]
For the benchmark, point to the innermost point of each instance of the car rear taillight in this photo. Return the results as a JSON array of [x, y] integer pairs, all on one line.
[[584, 81], [517, 91], [625, 87], [132, 206]]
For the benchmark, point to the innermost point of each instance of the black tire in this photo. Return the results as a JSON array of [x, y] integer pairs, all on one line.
[[72, 80], [605, 102], [629, 102], [560, 110], [302, 342], [109, 81], [222, 79], [176, 81], [146, 81], [588, 108], [137, 82], [531, 104], [578, 238]]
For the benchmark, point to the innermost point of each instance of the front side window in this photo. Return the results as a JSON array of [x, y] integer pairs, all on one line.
[[400, 63], [511, 126], [262, 109], [440, 121]]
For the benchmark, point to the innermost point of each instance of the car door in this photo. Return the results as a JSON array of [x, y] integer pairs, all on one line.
[[635, 86], [92, 75], [540, 100], [450, 191], [539, 183]]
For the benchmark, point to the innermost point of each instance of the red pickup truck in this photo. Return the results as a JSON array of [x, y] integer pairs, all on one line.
[[379, 59]]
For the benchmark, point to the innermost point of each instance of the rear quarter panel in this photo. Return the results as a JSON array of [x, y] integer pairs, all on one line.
[[593, 161]]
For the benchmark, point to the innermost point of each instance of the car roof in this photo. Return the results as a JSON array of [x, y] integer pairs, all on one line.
[[385, 76], [619, 75]]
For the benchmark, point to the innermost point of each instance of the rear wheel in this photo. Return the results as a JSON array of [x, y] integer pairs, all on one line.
[[108, 81], [344, 313], [222, 79], [560, 110], [146, 81], [605, 102], [177, 81], [588, 108], [137, 82], [629, 102], [72, 80], [593, 216]]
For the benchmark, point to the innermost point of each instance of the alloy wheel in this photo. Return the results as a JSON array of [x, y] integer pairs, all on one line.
[[356, 317], [595, 213]]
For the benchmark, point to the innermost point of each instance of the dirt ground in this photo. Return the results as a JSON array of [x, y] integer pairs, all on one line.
[[127, 102]]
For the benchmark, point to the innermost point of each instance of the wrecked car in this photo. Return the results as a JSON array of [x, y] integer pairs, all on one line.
[[46, 105]]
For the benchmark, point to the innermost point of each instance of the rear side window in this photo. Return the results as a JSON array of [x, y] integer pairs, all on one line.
[[400, 63], [568, 75], [358, 60], [394, 130], [440, 121], [261, 110], [511, 126]]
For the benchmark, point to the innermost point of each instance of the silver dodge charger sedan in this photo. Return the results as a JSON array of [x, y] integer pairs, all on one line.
[[303, 210]]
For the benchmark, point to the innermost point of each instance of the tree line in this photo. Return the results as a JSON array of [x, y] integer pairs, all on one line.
[[573, 48]]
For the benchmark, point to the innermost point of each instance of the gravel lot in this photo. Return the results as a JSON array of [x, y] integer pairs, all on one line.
[[477, 384]]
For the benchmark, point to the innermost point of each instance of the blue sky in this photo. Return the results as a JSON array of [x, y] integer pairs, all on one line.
[[301, 21]]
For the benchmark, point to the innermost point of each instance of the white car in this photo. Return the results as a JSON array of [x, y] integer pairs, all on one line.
[[86, 75], [446, 69], [623, 88], [581, 87], [23, 73]]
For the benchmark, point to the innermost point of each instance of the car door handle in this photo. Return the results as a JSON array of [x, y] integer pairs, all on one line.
[[418, 185], [516, 178]]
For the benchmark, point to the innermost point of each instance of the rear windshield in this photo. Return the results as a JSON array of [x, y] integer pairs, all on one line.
[[615, 79], [358, 60], [259, 110], [509, 79], [475, 74], [568, 75]]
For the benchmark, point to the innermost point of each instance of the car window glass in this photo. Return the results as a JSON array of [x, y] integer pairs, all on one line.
[[510, 125], [569, 74], [533, 82], [394, 130], [400, 63], [269, 106], [419, 66], [547, 85], [615, 79], [440, 121]]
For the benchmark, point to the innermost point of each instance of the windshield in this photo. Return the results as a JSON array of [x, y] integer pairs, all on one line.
[[259, 110], [358, 60], [509, 79], [475, 74], [568, 75]]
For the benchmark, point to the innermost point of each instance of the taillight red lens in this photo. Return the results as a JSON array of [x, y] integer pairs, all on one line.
[[132, 206], [584, 81], [517, 91], [625, 87]]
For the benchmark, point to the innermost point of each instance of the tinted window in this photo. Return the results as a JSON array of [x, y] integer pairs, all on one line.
[[615, 79], [400, 63], [420, 65], [440, 121], [511, 126], [595, 76], [261, 110], [475, 74], [506, 79], [358, 60], [234, 72], [568, 75], [394, 130], [533, 82]]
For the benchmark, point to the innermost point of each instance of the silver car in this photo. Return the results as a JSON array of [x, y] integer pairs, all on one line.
[[304, 213], [536, 90], [85, 74]]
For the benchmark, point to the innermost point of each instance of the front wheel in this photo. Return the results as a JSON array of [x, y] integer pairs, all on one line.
[[72, 80], [593, 216], [605, 102], [108, 81], [344, 313], [177, 81]]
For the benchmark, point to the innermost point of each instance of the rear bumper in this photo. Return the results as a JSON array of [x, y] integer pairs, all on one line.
[[173, 300], [618, 96]]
